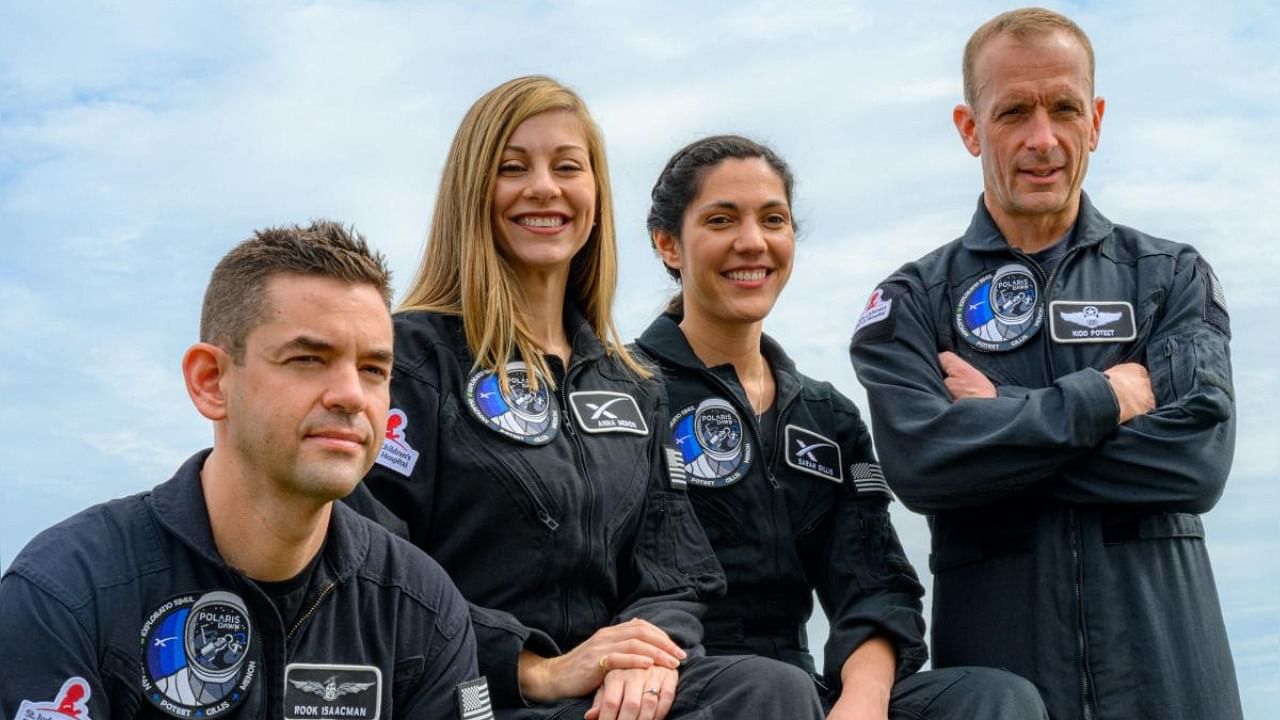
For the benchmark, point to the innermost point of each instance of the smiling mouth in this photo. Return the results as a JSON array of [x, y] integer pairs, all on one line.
[[747, 275], [541, 221]]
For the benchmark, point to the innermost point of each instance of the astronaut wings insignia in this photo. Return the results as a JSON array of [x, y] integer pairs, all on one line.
[[1091, 317], [330, 689]]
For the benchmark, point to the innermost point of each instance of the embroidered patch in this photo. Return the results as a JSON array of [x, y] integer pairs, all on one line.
[[1001, 310], [675, 468], [396, 452], [473, 700], [199, 655], [713, 444], [1072, 321], [876, 321], [877, 310], [812, 453], [1215, 304], [71, 703], [520, 413], [601, 411], [332, 691], [869, 478]]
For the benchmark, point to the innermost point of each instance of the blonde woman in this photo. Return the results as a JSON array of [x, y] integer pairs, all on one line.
[[524, 448]]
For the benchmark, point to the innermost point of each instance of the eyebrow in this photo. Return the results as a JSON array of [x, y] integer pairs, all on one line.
[[727, 205], [316, 345], [559, 148]]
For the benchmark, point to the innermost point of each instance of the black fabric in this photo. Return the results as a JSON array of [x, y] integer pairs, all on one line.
[[1072, 529], [291, 595], [548, 542], [74, 600], [783, 532]]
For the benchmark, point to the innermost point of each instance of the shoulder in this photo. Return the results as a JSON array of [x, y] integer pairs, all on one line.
[[423, 340], [394, 565], [103, 546]]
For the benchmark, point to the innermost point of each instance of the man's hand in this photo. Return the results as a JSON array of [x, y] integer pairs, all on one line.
[[964, 380], [635, 694], [1132, 387], [633, 644]]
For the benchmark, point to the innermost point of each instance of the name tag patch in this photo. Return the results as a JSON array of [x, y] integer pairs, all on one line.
[[809, 452], [1086, 321], [332, 691], [396, 453], [601, 411]]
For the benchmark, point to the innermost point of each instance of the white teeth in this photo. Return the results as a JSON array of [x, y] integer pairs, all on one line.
[[746, 274], [541, 220]]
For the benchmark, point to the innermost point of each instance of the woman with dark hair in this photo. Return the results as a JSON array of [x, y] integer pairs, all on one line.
[[524, 447], [780, 467]]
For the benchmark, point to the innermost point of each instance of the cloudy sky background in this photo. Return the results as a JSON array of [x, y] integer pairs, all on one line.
[[139, 141]]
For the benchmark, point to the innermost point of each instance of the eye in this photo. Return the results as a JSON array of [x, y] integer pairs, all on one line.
[[777, 220], [569, 166], [719, 220], [377, 371], [510, 167], [304, 360]]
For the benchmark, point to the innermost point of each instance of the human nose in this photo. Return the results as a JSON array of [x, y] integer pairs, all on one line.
[[542, 184], [345, 391], [750, 238], [1040, 135]]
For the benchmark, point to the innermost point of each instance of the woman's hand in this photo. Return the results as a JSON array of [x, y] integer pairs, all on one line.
[[635, 694], [635, 644]]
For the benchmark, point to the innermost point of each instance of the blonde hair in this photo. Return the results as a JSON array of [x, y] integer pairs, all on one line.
[[1022, 24], [462, 272]]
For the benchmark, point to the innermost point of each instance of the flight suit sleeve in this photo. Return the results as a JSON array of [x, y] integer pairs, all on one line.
[[451, 655], [673, 571], [49, 657], [1177, 456], [940, 455], [863, 579]]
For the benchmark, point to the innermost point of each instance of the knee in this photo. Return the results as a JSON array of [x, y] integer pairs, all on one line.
[[1012, 695], [776, 677]]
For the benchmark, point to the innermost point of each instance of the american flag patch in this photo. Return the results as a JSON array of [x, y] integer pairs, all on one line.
[[675, 468], [869, 478], [473, 700]]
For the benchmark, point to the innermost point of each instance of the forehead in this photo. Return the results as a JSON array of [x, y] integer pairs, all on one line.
[[322, 307], [548, 131], [741, 179], [1052, 61]]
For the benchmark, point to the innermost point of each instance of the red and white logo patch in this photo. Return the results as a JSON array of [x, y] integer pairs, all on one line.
[[71, 702], [396, 453], [877, 309]]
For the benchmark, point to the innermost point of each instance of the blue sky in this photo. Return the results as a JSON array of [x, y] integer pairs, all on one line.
[[139, 141]]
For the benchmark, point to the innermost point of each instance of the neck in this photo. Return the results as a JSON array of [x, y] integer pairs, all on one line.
[[1032, 233], [259, 531], [543, 296], [736, 344]]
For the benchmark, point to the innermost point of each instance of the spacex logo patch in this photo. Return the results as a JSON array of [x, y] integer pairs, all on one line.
[[812, 453], [600, 411]]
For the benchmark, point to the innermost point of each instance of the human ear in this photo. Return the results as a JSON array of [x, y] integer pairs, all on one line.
[[1099, 104], [967, 125], [204, 367], [668, 248]]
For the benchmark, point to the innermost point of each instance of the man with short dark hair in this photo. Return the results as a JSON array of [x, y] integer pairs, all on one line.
[[239, 588], [1054, 391]]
